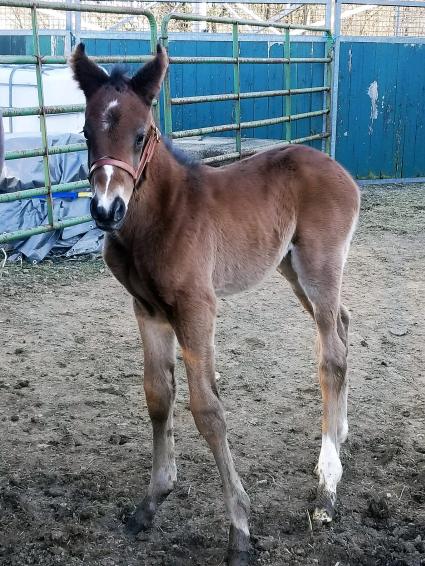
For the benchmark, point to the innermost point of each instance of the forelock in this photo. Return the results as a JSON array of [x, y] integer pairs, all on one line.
[[118, 78]]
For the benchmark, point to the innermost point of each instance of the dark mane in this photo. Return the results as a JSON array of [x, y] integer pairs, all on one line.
[[179, 155]]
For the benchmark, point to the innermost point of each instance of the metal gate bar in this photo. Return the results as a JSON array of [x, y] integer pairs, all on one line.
[[236, 96], [243, 95], [38, 60]]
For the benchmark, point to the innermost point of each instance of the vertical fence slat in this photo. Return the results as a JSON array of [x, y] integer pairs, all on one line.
[[237, 85], [43, 124], [168, 117], [287, 55], [335, 75], [328, 93]]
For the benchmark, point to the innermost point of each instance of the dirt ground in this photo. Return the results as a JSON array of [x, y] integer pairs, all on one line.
[[75, 437]]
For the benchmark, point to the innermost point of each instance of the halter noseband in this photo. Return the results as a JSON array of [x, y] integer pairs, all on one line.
[[152, 139]]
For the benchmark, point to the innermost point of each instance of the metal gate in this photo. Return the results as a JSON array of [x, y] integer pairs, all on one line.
[[42, 111], [237, 126], [237, 61]]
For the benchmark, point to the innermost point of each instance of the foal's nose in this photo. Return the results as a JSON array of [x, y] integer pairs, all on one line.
[[107, 218]]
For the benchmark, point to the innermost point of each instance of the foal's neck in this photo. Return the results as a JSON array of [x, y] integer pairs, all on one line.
[[154, 200], [163, 169]]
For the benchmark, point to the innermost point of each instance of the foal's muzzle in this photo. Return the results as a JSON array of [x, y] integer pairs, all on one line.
[[108, 219]]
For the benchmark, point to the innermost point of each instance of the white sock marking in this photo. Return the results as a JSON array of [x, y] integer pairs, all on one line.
[[329, 466]]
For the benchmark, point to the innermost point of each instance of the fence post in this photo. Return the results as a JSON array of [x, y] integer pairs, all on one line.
[[168, 119], [335, 78], [68, 32], [287, 71], [237, 87], [327, 72], [43, 124]]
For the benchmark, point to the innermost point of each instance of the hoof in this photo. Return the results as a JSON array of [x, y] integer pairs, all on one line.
[[238, 553], [325, 506], [236, 558], [322, 516], [141, 519]]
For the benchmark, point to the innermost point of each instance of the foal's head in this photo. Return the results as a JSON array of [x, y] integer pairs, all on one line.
[[118, 117]]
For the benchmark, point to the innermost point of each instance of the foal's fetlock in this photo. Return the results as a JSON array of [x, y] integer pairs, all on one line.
[[342, 433], [239, 548]]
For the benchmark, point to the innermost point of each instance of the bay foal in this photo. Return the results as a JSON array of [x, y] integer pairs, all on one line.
[[179, 234]]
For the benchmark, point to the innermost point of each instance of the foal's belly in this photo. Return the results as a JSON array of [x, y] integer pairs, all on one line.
[[244, 271]]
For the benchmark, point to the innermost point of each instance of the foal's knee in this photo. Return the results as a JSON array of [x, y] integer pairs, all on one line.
[[333, 367], [160, 393]]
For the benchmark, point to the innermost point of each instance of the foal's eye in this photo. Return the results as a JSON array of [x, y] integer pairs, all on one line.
[[139, 140]]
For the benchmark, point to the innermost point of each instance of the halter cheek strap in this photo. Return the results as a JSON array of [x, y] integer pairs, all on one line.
[[151, 142]]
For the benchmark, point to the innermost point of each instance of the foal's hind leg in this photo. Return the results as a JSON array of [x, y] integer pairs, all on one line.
[[317, 284], [194, 325], [159, 345], [342, 326], [287, 270]]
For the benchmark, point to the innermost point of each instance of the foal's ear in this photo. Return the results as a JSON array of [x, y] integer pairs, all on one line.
[[147, 82], [89, 76]]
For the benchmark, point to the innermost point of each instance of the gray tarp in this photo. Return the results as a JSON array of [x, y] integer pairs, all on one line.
[[21, 174], [1, 143], [68, 167]]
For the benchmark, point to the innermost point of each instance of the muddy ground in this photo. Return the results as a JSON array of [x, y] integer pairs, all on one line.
[[75, 435]]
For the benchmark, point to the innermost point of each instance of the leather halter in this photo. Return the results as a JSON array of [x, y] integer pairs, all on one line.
[[152, 138]]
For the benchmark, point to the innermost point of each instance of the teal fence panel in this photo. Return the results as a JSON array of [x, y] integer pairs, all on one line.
[[381, 121], [22, 44], [218, 79]]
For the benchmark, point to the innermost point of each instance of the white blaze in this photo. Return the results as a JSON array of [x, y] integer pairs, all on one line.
[[106, 194], [105, 200]]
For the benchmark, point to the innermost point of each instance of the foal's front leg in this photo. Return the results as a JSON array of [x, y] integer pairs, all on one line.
[[159, 345], [194, 327]]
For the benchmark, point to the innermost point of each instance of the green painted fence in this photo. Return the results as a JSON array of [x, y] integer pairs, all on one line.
[[38, 59], [286, 118]]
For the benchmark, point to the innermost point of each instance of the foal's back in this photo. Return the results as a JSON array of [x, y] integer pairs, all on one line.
[[261, 207]]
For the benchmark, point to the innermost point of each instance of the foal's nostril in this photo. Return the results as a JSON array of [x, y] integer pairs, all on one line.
[[118, 210], [93, 206], [99, 213]]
